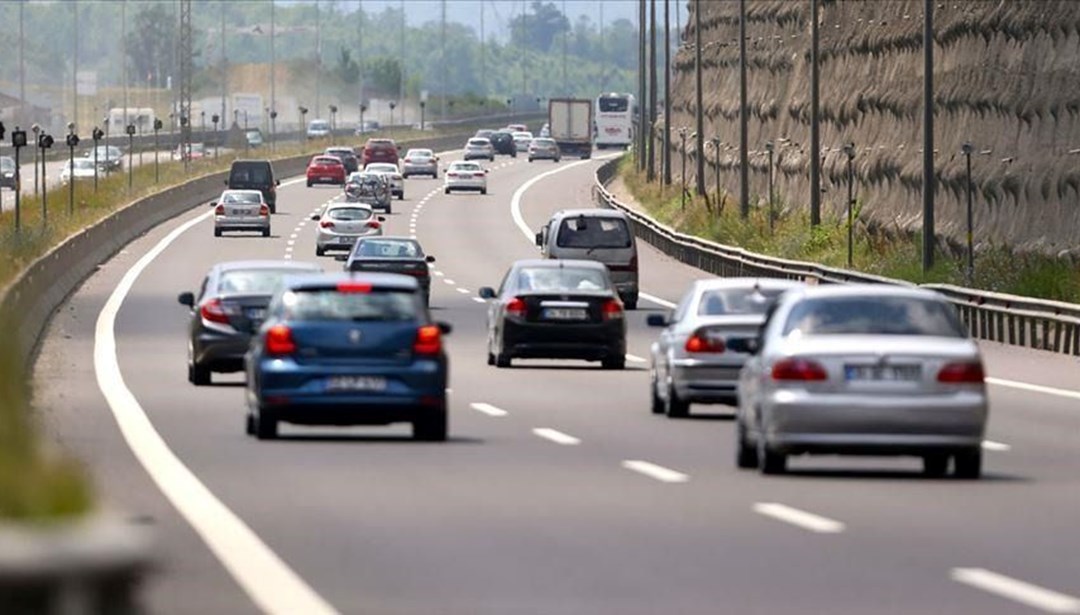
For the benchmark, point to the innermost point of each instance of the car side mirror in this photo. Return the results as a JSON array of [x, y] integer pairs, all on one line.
[[314, 216], [539, 239], [657, 320], [445, 327], [747, 345], [277, 182], [226, 182], [429, 259], [487, 292], [187, 299], [213, 204], [486, 171], [381, 218]]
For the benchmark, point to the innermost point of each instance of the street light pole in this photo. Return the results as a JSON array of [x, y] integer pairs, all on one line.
[[333, 122], [744, 118], [36, 129], [815, 116], [273, 131], [217, 145], [716, 146], [303, 114], [392, 105], [157, 150], [967, 148], [666, 154], [96, 136], [928, 136], [849, 150], [131, 149], [45, 141], [700, 111], [651, 170], [422, 105], [772, 207], [18, 141], [72, 141], [682, 192]]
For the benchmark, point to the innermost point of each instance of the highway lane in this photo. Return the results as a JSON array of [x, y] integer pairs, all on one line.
[[501, 520]]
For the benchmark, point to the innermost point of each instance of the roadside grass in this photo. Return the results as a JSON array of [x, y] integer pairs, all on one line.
[[38, 484], [878, 251]]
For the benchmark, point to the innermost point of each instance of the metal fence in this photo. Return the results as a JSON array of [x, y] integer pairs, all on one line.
[[1009, 319]]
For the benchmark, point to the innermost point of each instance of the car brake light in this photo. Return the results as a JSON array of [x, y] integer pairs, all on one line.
[[612, 310], [373, 224], [264, 210], [961, 373], [279, 340], [799, 369], [219, 210], [408, 160], [428, 341], [326, 224], [352, 286], [516, 307], [214, 311], [477, 174], [699, 342]]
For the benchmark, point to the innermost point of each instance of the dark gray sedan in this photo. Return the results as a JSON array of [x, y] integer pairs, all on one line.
[[228, 309], [392, 255]]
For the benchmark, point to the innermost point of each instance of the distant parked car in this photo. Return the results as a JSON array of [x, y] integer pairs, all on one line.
[[109, 157], [318, 129], [193, 151], [254, 137], [8, 177], [367, 127], [80, 168]]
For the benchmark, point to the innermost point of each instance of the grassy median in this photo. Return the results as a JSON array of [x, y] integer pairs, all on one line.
[[880, 251]]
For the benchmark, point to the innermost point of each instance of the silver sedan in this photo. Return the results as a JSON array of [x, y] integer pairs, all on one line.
[[420, 162], [241, 210], [341, 224], [864, 370], [691, 362]]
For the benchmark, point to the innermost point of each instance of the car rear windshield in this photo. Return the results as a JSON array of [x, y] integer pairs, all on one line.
[[420, 153], [250, 174], [331, 304], [254, 281], [461, 166], [737, 301], [559, 279], [348, 214], [588, 232], [389, 248], [479, 142], [611, 104], [242, 197], [874, 316], [328, 160]]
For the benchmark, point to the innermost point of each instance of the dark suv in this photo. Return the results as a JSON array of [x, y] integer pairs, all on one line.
[[503, 143], [347, 157], [380, 150], [255, 175]]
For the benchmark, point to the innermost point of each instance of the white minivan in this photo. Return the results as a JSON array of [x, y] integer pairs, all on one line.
[[602, 235]]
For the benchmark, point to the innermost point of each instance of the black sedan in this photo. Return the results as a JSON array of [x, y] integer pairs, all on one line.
[[392, 255], [503, 142], [229, 309], [556, 309]]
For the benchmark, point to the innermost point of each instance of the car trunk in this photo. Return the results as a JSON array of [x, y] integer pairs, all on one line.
[[373, 343], [246, 312]]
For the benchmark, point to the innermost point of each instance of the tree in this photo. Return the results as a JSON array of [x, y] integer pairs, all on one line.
[[383, 74], [151, 41], [540, 28], [347, 69]]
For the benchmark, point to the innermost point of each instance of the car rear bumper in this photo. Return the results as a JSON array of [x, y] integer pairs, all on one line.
[[704, 383], [224, 223], [221, 352], [419, 170], [797, 421], [543, 155], [323, 179], [593, 341], [466, 184]]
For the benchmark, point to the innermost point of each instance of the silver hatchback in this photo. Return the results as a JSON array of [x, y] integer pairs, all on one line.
[[341, 224], [241, 210], [863, 370]]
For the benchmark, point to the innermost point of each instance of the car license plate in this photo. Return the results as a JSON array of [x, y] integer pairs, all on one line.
[[882, 373], [565, 314], [236, 212], [356, 383], [256, 313]]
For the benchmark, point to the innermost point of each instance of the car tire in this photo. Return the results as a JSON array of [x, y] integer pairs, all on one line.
[[266, 232], [746, 456], [674, 407], [319, 251], [614, 362], [404, 176], [446, 191], [770, 461], [249, 424], [273, 208], [483, 191], [935, 465], [530, 159], [555, 159], [401, 196], [198, 374], [968, 464], [630, 302], [217, 232], [502, 360], [266, 428], [431, 428], [490, 358], [656, 405], [434, 176], [389, 209], [309, 183]]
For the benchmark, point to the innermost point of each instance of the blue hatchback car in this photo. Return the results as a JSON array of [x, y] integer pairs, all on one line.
[[348, 349]]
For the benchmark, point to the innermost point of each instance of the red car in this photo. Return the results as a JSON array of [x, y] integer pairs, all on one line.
[[380, 150], [325, 170]]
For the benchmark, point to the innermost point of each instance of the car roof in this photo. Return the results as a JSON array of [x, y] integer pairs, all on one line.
[[384, 280], [867, 290], [746, 283], [347, 205], [343, 150], [595, 212], [560, 263], [257, 193], [237, 163], [266, 264]]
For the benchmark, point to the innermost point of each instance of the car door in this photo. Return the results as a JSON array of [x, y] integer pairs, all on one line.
[[495, 311], [670, 335], [752, 375]]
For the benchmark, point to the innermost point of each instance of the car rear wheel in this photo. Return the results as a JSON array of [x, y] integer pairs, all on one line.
[[249, 424], [309, 183], [217, 232], [483, 191], [446, 191], [431, 428], [266, 232], [198, 374], [675, 407], [770, 461], [401, 196], [935, 465], [502, 360], [746, 456], [656, 404], [266, 428], [319, 251], [614, 362], [968, 465]]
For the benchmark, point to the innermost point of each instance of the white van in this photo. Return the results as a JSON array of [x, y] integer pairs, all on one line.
[[602, 235]]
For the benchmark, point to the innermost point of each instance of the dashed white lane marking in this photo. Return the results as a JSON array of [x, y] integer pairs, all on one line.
[[288, 257], [990, 445], [1034, 388], [439, 274], [660, 473], [291, 242], [1036, 597], [800, 518], [488, 409], [556, 436], [463, 291], [479, 299], [266, 578], [448, 281], [633, 358], [657, 300]]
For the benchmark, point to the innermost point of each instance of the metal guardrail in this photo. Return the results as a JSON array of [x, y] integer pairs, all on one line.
[[1008, 319]]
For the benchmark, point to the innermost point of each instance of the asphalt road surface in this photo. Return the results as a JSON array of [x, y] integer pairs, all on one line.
[[558, 491]]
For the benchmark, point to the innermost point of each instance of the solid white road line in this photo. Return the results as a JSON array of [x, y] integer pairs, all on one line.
[[488, 409], [556, 436], [463, 291], [439, 274], [990, 445], [1034, 388], [479, 299], [800, 518], [515, 201], [1025, 593], [652, 470], [657, 300], [633, 358], [265, 577]]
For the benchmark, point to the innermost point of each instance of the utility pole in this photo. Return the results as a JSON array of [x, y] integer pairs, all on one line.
[[642, 102], [318, 60], [928, 136], [185, 79], [442, 63], [402, 64], [651, 171], [744, 154], [224, 72], [815, 117], [74, 71], [700, 111], [665, 155], [273, 67], [22, 66], [123, 55]]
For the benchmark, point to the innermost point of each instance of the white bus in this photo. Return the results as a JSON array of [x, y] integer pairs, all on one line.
[[614, 119]]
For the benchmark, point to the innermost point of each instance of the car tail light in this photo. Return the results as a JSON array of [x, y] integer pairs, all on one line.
[[633, 263], [428, 341], [612, 310], [264, 210], [799, 369], [477, 174], [219, 210], [326, 224], [279, 341], [700, 342], [962, 373], [408, 160], [214, 311], [374, 224], [516, 307]]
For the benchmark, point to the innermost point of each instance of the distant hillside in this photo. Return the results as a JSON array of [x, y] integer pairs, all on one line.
[[1007, 79]]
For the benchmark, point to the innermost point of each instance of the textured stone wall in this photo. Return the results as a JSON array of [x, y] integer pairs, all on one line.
[[1007, 78]]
